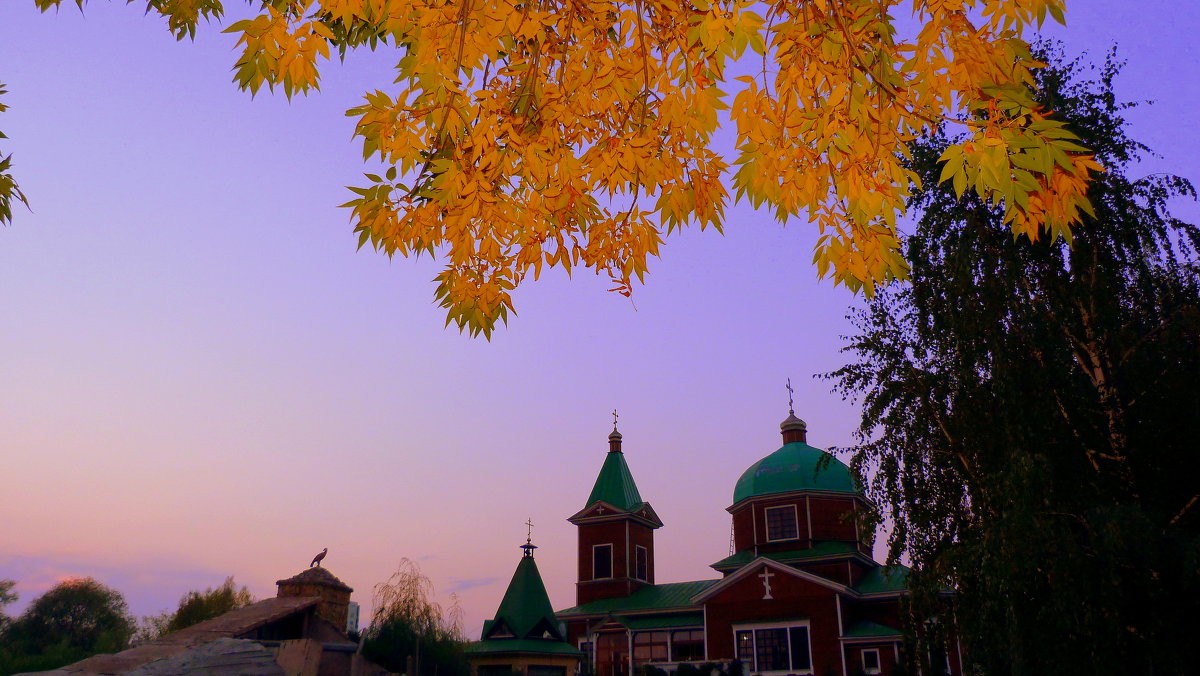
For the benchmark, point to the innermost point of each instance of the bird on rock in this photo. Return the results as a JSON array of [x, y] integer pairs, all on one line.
[[319, 557]]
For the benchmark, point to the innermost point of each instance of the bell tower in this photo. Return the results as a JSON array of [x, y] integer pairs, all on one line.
[[616, 532]]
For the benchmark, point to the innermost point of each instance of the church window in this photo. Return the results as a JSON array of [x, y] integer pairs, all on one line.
[[870, 661], [765, 649], [641, 565], [649, 646], [781, 523], [771, 649], [687, 645], [745, 648], [589, 654], [801, 655], [602, 567]]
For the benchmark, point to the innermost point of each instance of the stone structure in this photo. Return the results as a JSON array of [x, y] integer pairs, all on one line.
[[334, 595]]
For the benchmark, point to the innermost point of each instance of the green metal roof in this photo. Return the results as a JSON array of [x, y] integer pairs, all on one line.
[[883, 579], [525, 603], [638, 623], [650, 597], [523, 645], [870, 630], [818, 550], [794, 467], [615, 485]]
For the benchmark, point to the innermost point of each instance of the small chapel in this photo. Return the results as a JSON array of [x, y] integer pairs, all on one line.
[[799, 594]]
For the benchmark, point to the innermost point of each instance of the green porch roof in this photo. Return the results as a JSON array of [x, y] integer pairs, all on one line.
[[615, 485], [639, 623], [870, 630], [884, 579], [650, 597], [818, 550], [523, 645]]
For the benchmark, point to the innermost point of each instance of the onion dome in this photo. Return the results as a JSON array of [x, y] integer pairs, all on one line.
[[796, 466]]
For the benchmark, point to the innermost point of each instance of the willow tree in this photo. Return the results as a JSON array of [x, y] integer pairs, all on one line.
[[409, 630], [1029, 409], [529, 134]]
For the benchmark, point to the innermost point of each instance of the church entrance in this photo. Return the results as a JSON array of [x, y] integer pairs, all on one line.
[[612, 654]]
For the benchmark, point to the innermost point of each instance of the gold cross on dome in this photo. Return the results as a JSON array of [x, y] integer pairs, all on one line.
[[791, 407], [614, 420]]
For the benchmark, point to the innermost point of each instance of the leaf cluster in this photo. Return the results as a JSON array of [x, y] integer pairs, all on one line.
[[521, 135], [1027, 406], [9, 190]]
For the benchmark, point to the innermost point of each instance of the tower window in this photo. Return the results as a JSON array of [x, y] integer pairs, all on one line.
[[602, 564], [781, 523], [641, 563]]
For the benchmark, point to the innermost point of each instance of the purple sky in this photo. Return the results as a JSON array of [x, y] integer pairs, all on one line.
[[200, 376]]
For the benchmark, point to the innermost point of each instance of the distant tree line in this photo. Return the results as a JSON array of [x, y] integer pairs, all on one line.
[[75, 619], [80, 617]]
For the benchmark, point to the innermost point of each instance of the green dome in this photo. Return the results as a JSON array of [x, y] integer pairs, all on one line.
[[795, 467]]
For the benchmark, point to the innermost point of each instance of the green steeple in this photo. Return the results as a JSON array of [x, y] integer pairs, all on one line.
[[614, 484], [526, 604], [525, 620]]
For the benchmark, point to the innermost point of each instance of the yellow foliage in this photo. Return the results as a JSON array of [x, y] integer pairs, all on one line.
[[531, 133]]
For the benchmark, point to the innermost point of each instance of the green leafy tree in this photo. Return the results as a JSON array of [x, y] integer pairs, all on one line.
[[1030, 407], [196, 607], [73, 620], [7, 596], [407, 623]]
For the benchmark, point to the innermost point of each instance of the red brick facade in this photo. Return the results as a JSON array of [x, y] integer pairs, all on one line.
[[804, 597]]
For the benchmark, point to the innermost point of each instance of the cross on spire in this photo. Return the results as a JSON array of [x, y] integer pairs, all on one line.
[[791, 407], [529, 546], [614, 420]]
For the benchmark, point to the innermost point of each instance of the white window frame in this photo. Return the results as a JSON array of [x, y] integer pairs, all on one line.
[[753, 628], [878, 668], [646, 577], [795, 522], [611, 571]]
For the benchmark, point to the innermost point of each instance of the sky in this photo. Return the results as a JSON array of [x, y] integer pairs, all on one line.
[[200, 376]]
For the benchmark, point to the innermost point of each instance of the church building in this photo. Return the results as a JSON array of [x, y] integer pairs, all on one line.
[[800, 593]]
